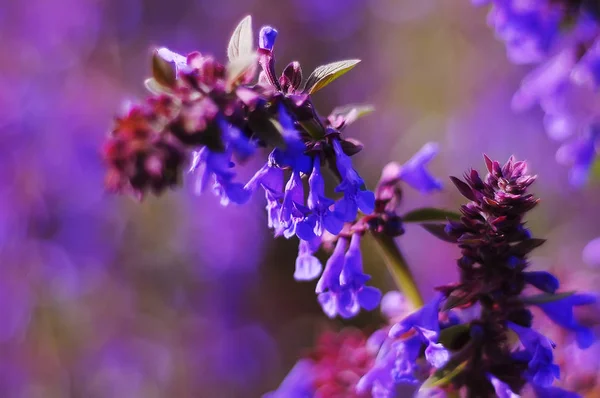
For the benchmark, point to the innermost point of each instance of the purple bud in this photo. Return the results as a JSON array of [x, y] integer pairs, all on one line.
[[266, 38]]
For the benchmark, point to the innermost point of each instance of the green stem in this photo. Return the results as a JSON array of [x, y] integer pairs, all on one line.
[[398, 269]]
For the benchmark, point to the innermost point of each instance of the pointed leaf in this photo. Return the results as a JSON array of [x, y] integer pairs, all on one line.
[[350, 146], [325, 74], [239, 68], [242, 40], [545, 298], [163, 71], [458, 298], [444, 375], [463, 188], [351, 113], [439, 231], [155, 88], [425, 214], [524, 247]]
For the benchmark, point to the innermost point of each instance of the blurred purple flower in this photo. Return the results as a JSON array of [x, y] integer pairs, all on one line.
[[563, 39], [591, 253], [561, 312], [298, 383]]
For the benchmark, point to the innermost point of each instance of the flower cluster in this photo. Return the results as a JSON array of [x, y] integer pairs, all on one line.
[[331, 370], [339, 360], [563, 37], [476, 335], [209, 116]]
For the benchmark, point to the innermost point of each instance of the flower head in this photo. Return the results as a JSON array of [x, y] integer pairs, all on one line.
[[341, 289]]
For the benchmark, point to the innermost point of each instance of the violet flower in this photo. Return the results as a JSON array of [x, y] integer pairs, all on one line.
[[563, 37]]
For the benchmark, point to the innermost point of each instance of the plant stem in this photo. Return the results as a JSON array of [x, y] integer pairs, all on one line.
[[398, 269]]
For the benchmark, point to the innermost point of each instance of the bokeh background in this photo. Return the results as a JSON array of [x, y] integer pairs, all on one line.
[[104, 297]]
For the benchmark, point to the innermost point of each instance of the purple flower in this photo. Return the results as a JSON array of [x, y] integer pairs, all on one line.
[[543, 280], [561, 313], [355, 294], [502, 389], [293, 212], [425, 319], [266, 38], [298, 383], [293, 155], [308, 267], [528, 28], [416, 175], [328, 287], [397, 359], [238, 143], [538, 353], [352, 186], [379, 380], [207, 164], [405, 363], [579, 154], [321, 217], [342, 289]]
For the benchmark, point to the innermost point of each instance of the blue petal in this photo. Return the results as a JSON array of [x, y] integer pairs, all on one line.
[[366, 201], [414, 173], [346, 209], [332, 223], [543, 280], [369, 297]]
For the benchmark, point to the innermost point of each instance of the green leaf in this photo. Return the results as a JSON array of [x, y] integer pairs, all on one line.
[[439, 231], [352, 112], [425, 214], [163, 71], [445, 375], [450, 336], [242, 40], [325, 74], [545, 298]]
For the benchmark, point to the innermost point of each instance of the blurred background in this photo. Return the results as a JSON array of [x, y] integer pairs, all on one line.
[[104, 297]]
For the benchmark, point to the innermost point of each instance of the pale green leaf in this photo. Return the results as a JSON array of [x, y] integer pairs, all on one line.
[[445, 375], [241, 43], [325, 74], [155, 88], [240, 68], [352, 112]]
